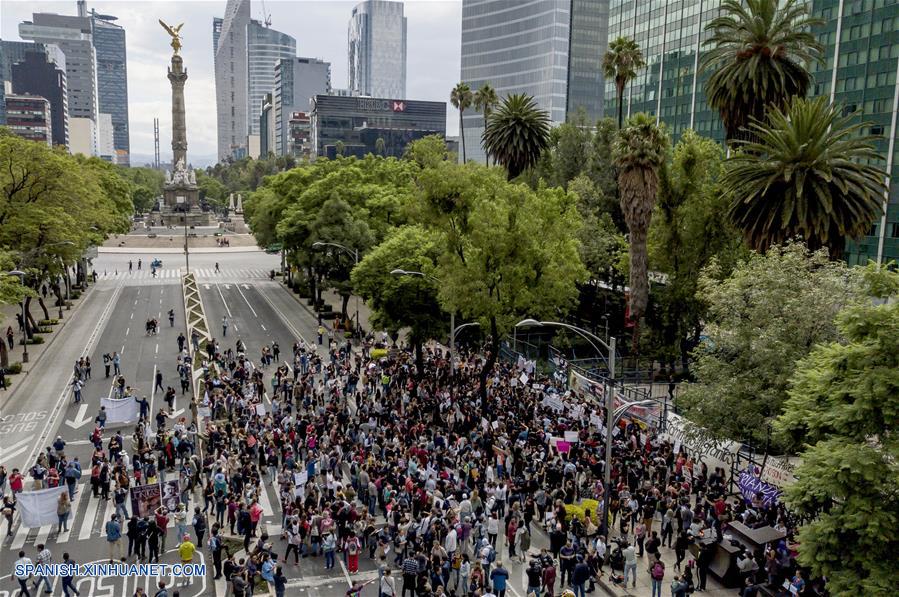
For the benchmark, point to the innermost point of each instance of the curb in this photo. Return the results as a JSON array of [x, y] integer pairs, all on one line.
[[56, 333], [176, 251], [296, 297]]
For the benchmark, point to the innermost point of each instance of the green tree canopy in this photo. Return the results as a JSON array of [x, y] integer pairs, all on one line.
[[843, 408], [509, 251], [403, 301], [769, 313]]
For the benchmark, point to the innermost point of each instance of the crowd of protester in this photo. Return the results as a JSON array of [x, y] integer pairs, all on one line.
[[374, 459]]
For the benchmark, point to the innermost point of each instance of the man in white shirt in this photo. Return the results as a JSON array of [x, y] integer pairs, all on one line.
[[21, 570], [630, 564]]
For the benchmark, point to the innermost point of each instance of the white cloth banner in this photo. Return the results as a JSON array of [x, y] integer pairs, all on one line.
[[121, 410], [38, 508]]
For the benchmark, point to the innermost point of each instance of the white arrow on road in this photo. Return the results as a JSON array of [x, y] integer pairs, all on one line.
[[227, 286], [206, 286], [80, 420], [177, 412], [246, 286]]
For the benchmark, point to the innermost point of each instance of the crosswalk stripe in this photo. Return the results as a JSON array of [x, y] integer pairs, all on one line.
[[107, 514], [21, 535], [64, 535], [89, 515], [43, 534]]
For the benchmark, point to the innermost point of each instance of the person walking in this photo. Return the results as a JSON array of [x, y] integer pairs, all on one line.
[[44, 558], [656, 574], [224, 326], [630, 564], [21, 569], [499, 577], [116, 363], [114, 538], [10, 337], [107, 363], [186, 554], [199, 523], [68, 580], [77, 385]]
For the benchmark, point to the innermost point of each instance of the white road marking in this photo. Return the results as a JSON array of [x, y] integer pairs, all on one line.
[[21, 535], [43, 534], [217, 287], [128, 330], [247, 302], [89, 515], [153, 393]]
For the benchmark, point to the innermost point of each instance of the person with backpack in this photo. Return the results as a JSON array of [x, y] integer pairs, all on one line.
[[656, 575], [216, 546]]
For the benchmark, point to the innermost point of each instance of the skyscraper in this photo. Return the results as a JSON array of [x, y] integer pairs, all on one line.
[[860, 38], [297, 81], [112, 79], [265, 49], [231, 77], [550, 49], [377, 49], [42, 72], [73, 35]]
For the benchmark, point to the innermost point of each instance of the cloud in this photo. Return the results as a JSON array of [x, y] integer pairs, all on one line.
[[320, 28]]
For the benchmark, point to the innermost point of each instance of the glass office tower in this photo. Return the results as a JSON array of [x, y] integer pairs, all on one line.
[[265, 48], [861, 37], [377, 49], [112, 81], [549, 49]]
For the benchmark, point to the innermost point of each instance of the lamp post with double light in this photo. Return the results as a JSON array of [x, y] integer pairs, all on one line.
[[610, 357], [354, 253]]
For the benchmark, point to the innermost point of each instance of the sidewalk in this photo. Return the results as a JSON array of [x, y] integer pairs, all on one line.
[[335, 300], [35, 351]]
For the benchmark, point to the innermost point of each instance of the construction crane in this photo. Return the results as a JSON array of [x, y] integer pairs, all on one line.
[[266, 16]]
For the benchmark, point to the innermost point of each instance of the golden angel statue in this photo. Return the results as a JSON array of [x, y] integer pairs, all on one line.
[[175, 32]]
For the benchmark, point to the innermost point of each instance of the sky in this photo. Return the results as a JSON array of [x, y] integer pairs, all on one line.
[[319, 26]]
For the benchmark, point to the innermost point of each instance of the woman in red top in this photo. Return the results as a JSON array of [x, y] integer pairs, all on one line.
[[353, 547], [16, 481]]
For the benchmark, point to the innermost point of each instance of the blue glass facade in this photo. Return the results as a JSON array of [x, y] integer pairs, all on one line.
[[112, 82]]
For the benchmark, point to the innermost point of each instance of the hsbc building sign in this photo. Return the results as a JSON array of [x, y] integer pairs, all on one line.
[[366, 104]]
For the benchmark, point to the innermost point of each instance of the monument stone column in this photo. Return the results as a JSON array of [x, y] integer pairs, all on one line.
[[177, 77]]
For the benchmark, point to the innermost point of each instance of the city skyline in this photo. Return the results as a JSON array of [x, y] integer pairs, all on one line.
[[434, 25]]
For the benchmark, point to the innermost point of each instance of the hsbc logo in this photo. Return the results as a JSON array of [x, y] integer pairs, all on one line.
[[367, 104], [399, 106]]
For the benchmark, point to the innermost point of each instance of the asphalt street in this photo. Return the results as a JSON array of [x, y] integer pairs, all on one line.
[[113, 318]]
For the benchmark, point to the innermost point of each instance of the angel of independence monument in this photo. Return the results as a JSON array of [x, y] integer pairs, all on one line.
[[181, 196]]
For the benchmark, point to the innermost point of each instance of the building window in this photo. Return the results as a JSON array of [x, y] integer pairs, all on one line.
[[894, 230]]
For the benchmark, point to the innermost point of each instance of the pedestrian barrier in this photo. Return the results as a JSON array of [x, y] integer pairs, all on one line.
[[195, 316]]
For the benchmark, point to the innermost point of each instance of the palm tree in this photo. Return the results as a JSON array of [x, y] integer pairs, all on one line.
[[639, 151], [517, 133], [461, 99], [808, 173], [485, 99], [621, 63], [758, 59]]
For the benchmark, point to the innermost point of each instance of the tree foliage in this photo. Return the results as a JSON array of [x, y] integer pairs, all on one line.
[[509, 251], [639, 151], [759, 54], [689, 228], [146, 184], [517, 133], [769, 313], [620, 64], [809, 173], [461, 99], [403, 301], [843, 408]]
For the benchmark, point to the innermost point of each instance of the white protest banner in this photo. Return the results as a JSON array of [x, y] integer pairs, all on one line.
[[38, 508], [260, 409], [523, 378], [699, 442], [571, 437], [596, 420], [300, 478], [121, 410]]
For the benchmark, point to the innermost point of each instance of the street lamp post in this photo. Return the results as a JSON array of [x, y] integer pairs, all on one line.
[[607, 394], [21, 275], [354, 253]]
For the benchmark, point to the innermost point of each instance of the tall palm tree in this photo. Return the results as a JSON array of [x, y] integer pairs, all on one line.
[[461, 99], [809, 173], [639, 151], [517, 133], [485, 99], [621, 63], [760, 49]]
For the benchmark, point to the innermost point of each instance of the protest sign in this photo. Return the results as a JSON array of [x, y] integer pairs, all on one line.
[[38, 508], [120, 410], [145, 499]]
